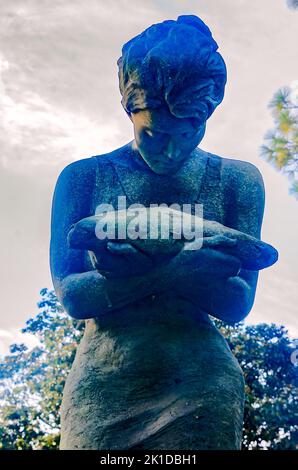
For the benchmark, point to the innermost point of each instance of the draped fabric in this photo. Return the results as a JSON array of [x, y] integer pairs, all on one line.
[[156, 374]]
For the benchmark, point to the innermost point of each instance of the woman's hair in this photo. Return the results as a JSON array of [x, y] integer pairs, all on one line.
[[173, 63]]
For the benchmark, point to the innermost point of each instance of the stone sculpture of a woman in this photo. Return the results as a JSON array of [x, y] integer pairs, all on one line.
[[152, 371]]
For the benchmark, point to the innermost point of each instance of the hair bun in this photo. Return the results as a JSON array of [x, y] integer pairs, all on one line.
[[196, 22]]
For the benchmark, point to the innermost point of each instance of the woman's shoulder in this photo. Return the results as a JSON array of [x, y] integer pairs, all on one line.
[[85, 167], [77, 167], [81, 177], [242, 185], [239, 173]]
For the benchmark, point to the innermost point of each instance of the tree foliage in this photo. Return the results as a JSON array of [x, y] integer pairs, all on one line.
[[32, 381], [281, 147], [293, 4], [267, 357]]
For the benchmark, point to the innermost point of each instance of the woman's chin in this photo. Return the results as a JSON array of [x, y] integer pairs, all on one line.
[[162, 168]]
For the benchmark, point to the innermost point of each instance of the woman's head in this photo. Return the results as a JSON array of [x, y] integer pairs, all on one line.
[[173, 64], [171, 79]]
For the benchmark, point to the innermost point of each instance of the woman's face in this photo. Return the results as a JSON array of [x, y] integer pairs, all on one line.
[[164, 141]]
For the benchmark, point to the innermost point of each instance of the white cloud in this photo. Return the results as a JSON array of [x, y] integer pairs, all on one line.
[[276, 301], [37, 132], [59, 101]]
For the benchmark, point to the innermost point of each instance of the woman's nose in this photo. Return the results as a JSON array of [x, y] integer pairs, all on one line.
[[172, 151]]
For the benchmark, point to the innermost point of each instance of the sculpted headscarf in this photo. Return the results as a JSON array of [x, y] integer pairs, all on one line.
[[173, 63]]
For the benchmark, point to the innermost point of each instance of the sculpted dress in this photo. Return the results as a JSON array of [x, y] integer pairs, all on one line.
[[156, 374]]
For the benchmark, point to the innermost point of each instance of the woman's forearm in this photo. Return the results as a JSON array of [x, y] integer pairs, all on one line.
[[89, 294], [229, 300], [212, 281], [218, 292]]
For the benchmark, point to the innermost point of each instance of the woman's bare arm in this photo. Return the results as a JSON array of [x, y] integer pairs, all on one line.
[[85, 293], [231, 298], [209, 278], [89, 294]]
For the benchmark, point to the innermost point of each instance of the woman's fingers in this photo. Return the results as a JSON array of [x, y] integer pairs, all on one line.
[[219, 264], [219, 240], [121, 248], [209, 242], [132, 254], [209, 261]]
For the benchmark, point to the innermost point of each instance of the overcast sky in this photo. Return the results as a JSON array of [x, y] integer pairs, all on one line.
[[59, 102]]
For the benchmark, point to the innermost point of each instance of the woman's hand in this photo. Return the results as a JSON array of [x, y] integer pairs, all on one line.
[[124, 260], [201, 268], [208, 278], [133, 256]]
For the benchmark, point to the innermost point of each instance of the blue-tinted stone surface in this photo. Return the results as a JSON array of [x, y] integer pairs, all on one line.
[[152, 371]]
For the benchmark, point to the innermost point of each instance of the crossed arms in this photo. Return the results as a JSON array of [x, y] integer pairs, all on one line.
[[209, 278]]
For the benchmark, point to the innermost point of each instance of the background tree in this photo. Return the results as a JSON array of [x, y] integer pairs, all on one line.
[[265, 354], [281, 144], [32, 381], [293, 4], [281, 147]]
